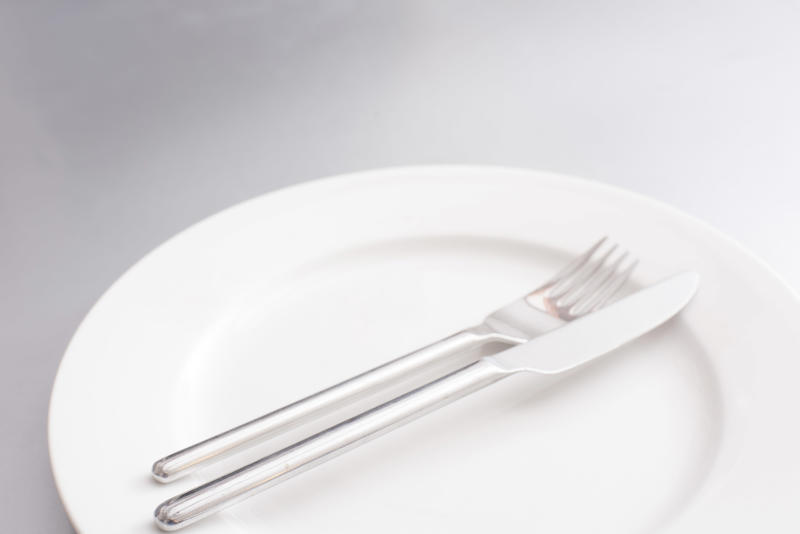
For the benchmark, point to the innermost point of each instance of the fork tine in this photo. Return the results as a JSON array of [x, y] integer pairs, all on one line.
[[606, 292], [599, 286], [616, 285], [575, 264], [581, 281]]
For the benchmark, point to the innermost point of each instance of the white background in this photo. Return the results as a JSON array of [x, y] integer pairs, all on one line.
[[122, 123]]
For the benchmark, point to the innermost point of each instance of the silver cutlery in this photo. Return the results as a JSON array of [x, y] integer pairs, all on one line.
[[588, 283], [549, 357]]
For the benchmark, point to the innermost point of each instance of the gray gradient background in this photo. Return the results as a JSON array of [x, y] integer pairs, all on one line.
[[122, 123]]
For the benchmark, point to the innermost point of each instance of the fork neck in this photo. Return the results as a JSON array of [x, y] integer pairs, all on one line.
[[496, 332]]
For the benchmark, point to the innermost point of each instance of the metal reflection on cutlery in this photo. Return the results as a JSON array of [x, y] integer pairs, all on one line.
[[586, 284], [548, 357]]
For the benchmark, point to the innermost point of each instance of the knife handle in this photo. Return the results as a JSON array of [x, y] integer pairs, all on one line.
[[234, 487], [319, 404]]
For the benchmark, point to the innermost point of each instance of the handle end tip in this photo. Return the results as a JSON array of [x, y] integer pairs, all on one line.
[[164, 518], [161, 472]]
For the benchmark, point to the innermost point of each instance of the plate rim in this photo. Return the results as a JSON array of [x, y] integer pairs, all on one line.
[[389, 174]]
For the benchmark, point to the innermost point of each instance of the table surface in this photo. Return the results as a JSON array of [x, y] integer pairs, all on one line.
[[125, 122]]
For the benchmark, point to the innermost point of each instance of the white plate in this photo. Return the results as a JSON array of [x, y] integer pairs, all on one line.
[[692, 428]]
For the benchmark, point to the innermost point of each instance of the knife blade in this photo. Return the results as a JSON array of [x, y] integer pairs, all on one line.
[[599, 333]]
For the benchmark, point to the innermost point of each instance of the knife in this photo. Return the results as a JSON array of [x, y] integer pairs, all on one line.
[[548, 357]]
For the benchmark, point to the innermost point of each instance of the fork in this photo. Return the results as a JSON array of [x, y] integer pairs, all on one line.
[[586, 284]]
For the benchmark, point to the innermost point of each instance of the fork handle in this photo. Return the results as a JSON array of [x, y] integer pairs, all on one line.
[[234, 487], [317, 405]]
